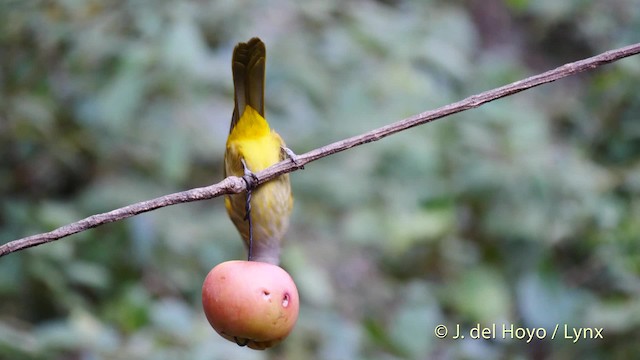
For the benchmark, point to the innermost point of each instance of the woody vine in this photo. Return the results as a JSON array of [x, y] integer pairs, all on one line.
[[234, 185]]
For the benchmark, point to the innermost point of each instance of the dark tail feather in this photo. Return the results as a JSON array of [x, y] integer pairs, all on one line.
[[248, 66]]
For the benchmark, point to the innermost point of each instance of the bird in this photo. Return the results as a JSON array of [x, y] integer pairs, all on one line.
[[260, 215]]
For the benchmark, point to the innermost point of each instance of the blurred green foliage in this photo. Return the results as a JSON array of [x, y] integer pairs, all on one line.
[[524, 211]]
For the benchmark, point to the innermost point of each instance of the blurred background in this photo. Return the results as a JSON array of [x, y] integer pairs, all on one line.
[[524, 211]]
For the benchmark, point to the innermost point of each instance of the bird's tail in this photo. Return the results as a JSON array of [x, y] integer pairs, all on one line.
[[248, 66]]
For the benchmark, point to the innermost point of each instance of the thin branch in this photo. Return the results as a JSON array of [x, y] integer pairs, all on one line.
[[234, 185], [230, 185]]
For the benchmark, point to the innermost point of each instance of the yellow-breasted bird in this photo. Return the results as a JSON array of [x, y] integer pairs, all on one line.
[[251, 147]]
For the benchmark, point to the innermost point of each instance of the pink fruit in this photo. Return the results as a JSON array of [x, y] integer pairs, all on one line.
[[250, 303]]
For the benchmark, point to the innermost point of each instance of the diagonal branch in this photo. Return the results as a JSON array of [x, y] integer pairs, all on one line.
[[234, 185], [230, 185]]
